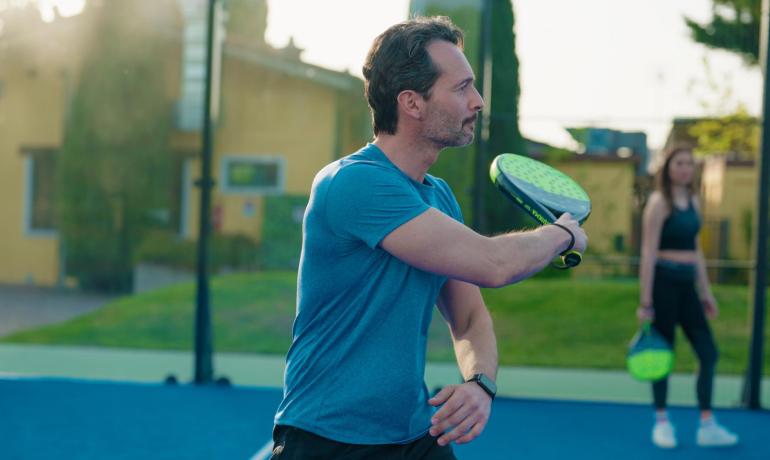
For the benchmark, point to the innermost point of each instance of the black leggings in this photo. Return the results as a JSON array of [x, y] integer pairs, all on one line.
[[676, 302]]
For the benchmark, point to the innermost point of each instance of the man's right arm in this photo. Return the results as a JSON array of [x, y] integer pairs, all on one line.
[[437, 243]]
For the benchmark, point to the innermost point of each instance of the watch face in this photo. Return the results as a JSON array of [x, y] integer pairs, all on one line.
[[487, 382]]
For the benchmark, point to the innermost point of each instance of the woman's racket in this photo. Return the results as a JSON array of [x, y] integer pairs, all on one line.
[[542, 193], [649, 357]]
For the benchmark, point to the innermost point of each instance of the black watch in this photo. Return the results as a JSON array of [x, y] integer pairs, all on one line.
[[485, 383]]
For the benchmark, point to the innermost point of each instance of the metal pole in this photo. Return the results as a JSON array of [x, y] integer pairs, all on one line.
[[753, 383], [204, 368], [484, 79]]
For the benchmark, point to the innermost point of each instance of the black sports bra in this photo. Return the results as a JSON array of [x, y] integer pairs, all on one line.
[[680, 229]]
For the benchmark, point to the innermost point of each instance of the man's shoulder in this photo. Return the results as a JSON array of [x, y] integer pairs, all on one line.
[[360, 167], [355, 177], [437, 181], [441, 185]]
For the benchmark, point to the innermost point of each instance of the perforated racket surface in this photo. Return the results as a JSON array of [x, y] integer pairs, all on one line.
[[543, 193], [541, 183]]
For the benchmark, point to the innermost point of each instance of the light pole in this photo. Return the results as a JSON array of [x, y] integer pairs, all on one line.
[[204, 368]]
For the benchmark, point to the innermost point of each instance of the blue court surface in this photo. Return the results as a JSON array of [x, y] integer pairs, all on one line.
[[79, 419]]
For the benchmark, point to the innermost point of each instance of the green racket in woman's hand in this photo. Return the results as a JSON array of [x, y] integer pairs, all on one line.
[[650, 357]]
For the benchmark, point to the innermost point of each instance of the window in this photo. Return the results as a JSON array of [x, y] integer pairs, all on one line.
[[40, 192], [252, 174]]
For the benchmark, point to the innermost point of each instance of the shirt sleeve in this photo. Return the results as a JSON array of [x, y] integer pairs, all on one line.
[[446, 195], [366, 202]]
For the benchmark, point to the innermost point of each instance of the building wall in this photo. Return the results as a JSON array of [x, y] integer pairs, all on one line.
[[268, 113], [264, 112], [37, 76], [739, 206], [610, 186], [23, 124], [729, 193]]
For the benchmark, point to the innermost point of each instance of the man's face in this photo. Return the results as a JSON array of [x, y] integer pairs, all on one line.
[[454, 102]]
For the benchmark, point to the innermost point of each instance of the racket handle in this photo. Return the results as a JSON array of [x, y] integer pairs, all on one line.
[[571, 258]]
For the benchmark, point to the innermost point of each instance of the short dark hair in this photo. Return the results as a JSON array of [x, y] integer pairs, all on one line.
[[398, 60]]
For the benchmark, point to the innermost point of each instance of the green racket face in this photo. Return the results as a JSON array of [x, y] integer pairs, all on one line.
[[542, 183], [650, 357], [540, 175], [650, 365]]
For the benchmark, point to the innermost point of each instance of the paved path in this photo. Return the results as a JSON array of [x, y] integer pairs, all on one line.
[[267, 371], [22, 307]]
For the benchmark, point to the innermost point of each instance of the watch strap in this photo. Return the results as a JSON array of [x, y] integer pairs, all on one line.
[[479, 379]]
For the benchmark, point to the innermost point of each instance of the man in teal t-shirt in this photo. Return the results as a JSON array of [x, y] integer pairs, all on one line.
[[383, 242]]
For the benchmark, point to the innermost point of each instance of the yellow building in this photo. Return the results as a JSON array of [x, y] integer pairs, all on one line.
[[280, 120], [609, 181], [729, 190]]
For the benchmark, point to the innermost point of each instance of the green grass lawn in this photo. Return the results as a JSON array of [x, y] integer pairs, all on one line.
[[539, 322]]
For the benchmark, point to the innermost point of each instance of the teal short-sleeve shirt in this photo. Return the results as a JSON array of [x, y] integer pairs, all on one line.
[[355, 369]]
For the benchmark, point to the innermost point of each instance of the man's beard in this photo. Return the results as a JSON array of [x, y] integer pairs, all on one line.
[[444, 137]]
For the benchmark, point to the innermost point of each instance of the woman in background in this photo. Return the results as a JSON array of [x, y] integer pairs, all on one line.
[[674, 289]]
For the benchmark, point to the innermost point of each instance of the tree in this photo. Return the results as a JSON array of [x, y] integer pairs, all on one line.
[[457, 166], [504, 133], [735, 135], [734, 27], [114, 159]]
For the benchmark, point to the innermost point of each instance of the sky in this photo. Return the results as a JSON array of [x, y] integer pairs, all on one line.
[[65, 8], [623, 64]]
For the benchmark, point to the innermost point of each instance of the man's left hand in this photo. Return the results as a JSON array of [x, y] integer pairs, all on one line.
[[464, 414]]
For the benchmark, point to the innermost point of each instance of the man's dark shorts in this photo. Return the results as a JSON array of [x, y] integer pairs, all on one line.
[[290, 443]]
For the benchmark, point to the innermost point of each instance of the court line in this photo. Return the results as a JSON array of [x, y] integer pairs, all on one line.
[[262, 453]]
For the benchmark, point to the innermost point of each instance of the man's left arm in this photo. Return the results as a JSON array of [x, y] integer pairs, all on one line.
[[465, 408]]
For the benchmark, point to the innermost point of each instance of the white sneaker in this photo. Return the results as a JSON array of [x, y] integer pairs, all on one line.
[[663, 435], [714, 434]]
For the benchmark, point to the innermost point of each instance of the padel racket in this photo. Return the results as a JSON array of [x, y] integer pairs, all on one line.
[[649, 357], [541, 194]]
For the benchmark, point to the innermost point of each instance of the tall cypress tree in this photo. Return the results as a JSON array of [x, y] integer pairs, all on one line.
[[504, 133], [457, 166], [114, 159]]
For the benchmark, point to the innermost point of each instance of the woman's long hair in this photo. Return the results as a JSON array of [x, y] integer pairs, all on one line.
[[664, 178]]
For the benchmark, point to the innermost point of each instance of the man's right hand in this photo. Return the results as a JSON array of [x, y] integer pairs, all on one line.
[[581, 239]]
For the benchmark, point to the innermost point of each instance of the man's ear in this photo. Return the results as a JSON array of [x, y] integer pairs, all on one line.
[[411, 104]]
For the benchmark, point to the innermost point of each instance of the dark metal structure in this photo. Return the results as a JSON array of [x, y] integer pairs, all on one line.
[[204, 367], [753, 383], [484, 82]]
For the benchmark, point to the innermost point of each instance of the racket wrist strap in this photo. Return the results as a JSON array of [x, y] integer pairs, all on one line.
[[571, 236]]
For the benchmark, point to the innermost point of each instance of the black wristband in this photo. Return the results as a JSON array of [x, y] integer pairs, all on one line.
[[571, 236]]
